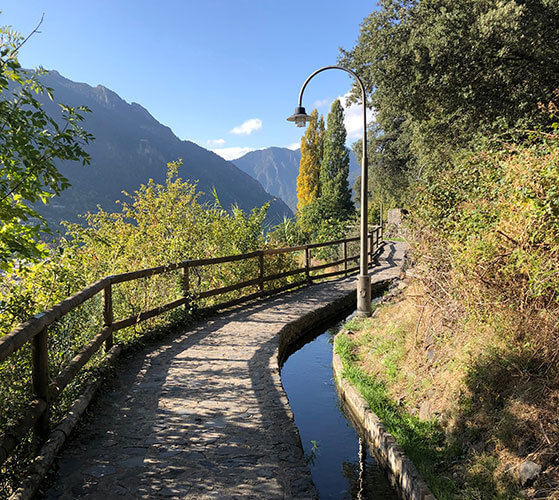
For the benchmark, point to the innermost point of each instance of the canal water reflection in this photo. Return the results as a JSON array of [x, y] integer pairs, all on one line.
[[340, 465]]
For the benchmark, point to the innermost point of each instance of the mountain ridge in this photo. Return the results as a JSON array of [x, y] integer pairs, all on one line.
[[277, 168], [130, 147]]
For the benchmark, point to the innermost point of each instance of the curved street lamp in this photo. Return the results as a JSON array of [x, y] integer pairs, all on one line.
[[301, 118]]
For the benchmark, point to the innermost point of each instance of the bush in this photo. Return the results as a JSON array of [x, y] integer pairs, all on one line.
[[158, 224]]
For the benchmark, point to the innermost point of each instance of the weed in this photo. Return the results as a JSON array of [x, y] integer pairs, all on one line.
[[312, 456]]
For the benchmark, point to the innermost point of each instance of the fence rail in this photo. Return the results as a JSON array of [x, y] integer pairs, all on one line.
[[35, 330]]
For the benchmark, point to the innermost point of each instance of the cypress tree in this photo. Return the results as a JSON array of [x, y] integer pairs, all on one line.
[[334, 167], [308, 180]]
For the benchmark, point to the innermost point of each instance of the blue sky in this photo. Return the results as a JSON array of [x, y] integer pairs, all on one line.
[[222, 73]]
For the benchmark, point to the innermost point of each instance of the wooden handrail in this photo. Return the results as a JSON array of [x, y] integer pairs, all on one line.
[[35, 329], [14, 340]]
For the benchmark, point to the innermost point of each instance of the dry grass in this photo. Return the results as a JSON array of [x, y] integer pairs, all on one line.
[[495, 393]]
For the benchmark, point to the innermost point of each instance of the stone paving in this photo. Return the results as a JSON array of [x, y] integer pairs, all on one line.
[[203, 414]]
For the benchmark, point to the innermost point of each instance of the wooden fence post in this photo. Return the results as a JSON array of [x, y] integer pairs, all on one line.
[[108, 314], [261, 271], [307, 264], [344, 255], [40, 353], [369, 247], [185, 284]]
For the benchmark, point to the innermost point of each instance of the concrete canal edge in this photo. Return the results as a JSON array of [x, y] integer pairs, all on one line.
[[386, 450]]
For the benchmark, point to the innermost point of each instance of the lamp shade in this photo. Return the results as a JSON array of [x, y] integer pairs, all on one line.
[[300, 117]]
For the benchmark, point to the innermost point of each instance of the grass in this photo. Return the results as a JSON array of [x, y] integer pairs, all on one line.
[[491, 400], [422, 441]]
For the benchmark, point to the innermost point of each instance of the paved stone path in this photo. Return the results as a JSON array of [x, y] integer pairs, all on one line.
[[203, 414]]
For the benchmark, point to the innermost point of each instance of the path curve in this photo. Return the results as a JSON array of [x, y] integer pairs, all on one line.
[[203, 414]]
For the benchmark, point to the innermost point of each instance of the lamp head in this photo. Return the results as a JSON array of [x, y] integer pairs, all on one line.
[[300, 117]]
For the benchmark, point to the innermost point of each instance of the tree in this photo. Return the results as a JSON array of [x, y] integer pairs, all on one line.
[[334, 168], [308, 180], [30, 144], [449, 71], [389, 162]]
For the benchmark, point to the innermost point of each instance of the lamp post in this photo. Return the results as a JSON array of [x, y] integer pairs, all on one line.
[[301, 118]]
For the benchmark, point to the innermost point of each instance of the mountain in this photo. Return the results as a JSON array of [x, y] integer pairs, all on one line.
[[130, 147], [277, 170]]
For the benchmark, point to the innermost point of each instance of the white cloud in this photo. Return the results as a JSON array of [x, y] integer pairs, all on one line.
[[247, 127], [353, 118], [215, 142], [232, 153], [295, 146], [321, 103]]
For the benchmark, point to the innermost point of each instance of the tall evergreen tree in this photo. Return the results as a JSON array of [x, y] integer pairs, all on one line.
[[334, 167], [308, 180]]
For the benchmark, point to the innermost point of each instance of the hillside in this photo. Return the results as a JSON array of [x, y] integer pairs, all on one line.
[[130, 147], [277, 169]]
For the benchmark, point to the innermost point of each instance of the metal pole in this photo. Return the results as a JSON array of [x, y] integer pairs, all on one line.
[[363, 280]]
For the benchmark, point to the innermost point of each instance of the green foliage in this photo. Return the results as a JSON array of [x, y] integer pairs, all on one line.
[[441, 73], [389, 161], [334, 167], [157, 224], [497, 212], [163, 224], [308, 180], [320, 221], [286, 233], [30, 144]]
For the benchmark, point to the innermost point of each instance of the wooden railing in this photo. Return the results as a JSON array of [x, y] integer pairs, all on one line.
[[35, 330]]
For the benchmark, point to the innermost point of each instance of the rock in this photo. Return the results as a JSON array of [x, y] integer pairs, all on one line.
[[394, 216], [528, 471]]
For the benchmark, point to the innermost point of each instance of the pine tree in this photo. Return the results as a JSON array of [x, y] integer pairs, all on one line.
[[334, 167], [308, 180]]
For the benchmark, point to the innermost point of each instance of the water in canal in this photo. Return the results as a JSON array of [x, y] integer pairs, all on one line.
[[341, 467]]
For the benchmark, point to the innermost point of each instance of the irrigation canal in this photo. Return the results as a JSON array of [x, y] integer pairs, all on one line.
[[340, 464]]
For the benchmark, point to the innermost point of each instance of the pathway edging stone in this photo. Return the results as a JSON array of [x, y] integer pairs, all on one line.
[[384, 447]]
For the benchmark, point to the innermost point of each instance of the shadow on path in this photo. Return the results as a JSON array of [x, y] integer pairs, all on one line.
[[202, 413]]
